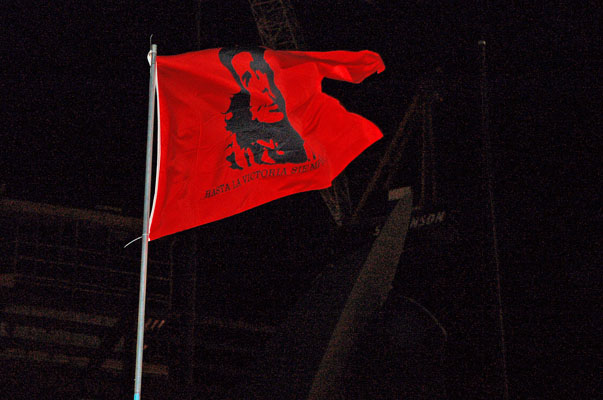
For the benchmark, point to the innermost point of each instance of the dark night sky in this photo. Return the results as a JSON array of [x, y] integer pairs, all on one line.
[[74, 78], [73, 103]]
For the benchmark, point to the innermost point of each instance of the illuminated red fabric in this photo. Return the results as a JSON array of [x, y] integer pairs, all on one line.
[[239, 128]]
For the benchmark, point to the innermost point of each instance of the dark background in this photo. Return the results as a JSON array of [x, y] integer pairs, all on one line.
[[73, 107]]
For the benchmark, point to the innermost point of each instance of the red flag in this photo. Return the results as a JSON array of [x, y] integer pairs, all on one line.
[[241, 127]]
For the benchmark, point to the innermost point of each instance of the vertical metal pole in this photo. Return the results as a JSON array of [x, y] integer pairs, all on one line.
[[430, 141], [145, 228], [423, 155], [487, 162]]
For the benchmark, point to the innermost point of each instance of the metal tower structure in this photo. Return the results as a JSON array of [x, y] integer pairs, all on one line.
[[278, 29], [277, 24]]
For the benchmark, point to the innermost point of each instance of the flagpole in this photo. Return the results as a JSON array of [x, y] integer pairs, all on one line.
[[145, 229]]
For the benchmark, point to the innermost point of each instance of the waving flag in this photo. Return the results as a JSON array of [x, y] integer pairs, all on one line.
[[241, 127]]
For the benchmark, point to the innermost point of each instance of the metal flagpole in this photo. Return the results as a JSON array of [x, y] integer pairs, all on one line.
[[145, 229]]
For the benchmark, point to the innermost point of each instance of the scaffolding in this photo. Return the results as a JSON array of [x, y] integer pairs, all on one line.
[[67, 290], [68, 293]]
